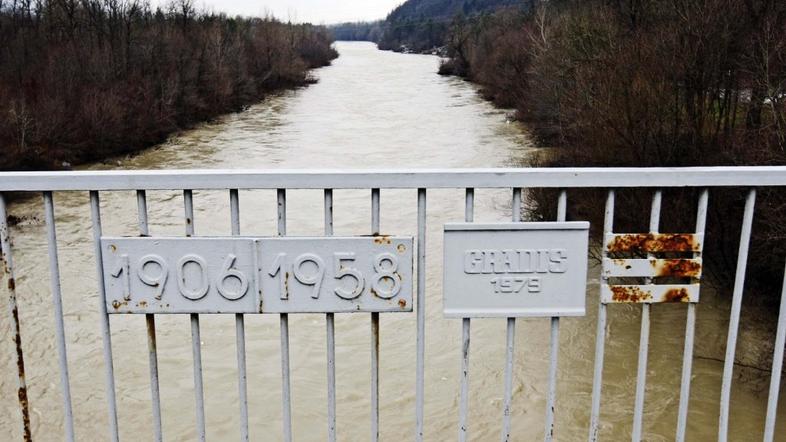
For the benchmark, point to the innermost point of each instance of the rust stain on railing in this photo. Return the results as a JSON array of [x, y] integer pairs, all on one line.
[[679, 268], [653, 242]]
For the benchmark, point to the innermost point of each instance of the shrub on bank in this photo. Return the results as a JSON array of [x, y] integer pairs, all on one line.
[[81, 81]]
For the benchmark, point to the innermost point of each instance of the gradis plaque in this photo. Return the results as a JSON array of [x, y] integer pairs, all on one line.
[[515, 269]]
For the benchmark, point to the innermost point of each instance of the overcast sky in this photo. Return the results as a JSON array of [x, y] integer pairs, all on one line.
[[314, 11]]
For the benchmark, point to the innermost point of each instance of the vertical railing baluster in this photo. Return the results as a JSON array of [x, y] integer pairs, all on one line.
[[240, 328], [734, 319], [777, 366], [330, 331], [374, 333], [600, 334], [421, 317], [551, 397], [644, 337], [150, 321], [286, 397], [196, 339], [690, 329], [8, 260], [469, 214], [95, 212], [57, 302], [510, 339]]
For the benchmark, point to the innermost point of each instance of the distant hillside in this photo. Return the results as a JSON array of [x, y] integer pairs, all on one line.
[[419, 25], [423, 10], [357, 31]]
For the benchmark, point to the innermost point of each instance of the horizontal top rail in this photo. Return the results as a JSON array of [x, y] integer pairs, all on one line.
[[392, 178]]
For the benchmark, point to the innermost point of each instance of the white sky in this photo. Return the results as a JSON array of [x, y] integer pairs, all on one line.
[[314, 11]]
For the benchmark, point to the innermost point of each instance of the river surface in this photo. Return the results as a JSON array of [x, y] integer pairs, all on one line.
[[370, 109]]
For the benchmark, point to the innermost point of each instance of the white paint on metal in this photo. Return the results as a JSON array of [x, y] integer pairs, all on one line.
[[150, 323], [690, 331], [515, 269], [240, 328], [567, 177], [551, 395], [777, 366], [734, 317], [652, 267], [57, 302], [600, 333], [13, 310], [106, 332], [330, 331], [420, 358], [658, 242], [649, 293], [196, 339], [510, 334], [375, 203], [469, 215], [286, 392], [644, 337]]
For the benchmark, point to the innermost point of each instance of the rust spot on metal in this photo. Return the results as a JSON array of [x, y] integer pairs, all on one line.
[[676, 295], [142, 304], [117, 304], [629, 294], [402, 303], [20, 367], [382, 239], [11, 284], [681, 268], [113, 248], [401, 248], [649, 242], [21, 394]]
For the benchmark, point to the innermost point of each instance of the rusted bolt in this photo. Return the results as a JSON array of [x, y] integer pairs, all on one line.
[[382, 239]]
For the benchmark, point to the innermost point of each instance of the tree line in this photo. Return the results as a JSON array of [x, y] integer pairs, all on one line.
[[85, 79], [647, 83]]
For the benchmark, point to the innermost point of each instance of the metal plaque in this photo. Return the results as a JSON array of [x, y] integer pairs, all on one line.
[[180, 275], [335, 274], [257, 275], [515, 269]]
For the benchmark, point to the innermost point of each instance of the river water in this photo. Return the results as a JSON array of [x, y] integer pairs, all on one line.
[[371, 109]]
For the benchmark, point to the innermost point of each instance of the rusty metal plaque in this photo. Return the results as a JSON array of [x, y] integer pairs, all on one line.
[[257, 275], [336, 274], [180, 275], [515, 269]]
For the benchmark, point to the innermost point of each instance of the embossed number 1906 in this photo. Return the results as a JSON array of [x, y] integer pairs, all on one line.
[[153, 271]]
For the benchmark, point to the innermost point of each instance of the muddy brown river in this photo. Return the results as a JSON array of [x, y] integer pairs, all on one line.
[[371, 109]]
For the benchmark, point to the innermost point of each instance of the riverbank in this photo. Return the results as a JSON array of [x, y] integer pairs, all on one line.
[[83, 85], [612, 87]]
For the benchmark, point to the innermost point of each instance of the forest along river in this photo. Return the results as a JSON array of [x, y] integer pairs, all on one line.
[[371, 109]]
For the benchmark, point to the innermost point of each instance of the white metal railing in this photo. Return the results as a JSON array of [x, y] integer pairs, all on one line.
[[95, 182]]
